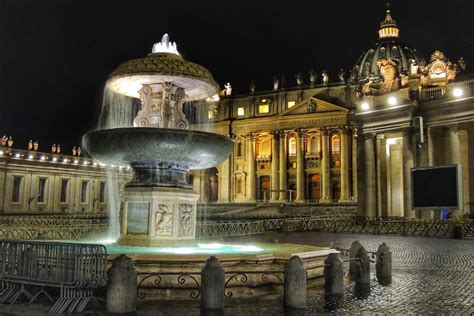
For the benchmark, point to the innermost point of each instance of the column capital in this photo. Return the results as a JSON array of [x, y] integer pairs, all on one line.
[[251, 136], [301, 132], [325, 131]]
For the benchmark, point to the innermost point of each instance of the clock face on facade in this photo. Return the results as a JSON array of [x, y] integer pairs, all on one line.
[[438, 70]]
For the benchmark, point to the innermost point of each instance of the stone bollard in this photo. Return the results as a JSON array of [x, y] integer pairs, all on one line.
[[363, 267], [212, 285], [122, 286], [334, 274], [355, 246], [295, 283], [383, 265]]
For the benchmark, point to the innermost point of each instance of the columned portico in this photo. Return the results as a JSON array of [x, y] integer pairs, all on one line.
[[344, 165], [251, 168]]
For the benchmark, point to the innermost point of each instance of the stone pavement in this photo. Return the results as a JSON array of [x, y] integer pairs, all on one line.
[[430, 276]]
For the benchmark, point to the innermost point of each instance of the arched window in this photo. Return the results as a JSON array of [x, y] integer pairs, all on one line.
[[336, 144], [292, 146], [314, 144], [264, 147]]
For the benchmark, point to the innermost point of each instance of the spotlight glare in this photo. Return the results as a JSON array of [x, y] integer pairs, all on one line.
[[365, 105], [458, 92], [392, 101]]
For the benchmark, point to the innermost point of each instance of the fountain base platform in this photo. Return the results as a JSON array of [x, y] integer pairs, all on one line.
[[157, 215], [173, 273]]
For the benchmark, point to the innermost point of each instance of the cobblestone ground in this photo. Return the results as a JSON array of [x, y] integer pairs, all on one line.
[[430, 276]]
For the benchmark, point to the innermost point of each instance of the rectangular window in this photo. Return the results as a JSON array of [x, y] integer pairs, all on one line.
[[41, 190], [240, 111], [64, 190], [102, 192], [210, 114], [84, 186], [16, 189], [291, 104], [263, 108]]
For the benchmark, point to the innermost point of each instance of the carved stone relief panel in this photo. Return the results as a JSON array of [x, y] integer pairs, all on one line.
[[163, 220], [186, 219]]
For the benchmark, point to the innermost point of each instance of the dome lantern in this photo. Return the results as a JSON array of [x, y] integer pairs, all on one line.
[[388, 27]]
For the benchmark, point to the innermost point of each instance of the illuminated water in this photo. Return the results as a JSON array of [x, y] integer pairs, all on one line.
[[201, 248]]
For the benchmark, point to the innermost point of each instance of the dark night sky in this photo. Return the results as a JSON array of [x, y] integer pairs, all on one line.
[[55, 55]]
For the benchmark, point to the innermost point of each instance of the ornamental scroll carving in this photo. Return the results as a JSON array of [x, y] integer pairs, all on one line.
[[185, 219], [163, 220]]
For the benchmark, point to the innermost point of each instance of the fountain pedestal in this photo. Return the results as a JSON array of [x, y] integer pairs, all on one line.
[[157, 215]]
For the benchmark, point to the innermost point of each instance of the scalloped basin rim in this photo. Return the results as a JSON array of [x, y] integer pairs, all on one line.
[[123, 146]]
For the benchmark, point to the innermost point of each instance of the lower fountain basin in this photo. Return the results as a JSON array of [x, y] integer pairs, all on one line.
[[152, 146]]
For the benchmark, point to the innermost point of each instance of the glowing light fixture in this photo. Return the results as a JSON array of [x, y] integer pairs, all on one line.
[[55, 159], [76, 161], [392, 101], [30, 157], [95, 164], [365, 105], [458, 92], [1, 153], [86, 163], [43, 158], [240, 112], [17, 155], [64, 160]]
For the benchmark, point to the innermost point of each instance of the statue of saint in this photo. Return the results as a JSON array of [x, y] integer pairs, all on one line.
[[462, 63], [342, 75], [10, 142], [228, 89], [79, 151], [74, 151], [299, 79], [414, 68], [35, 146], [283, 82], [30, 145], [252, 86], [58, 149], [53, 148], [4, 140], [325, 76], [276, 83], [312, 77]]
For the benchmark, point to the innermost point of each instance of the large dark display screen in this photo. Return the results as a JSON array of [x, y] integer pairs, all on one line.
[[436, 187]]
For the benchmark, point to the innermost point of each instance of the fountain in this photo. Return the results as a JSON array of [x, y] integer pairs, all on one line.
[[159, 204], [158, 222]]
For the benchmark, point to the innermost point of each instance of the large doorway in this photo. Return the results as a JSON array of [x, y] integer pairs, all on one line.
[[212, 185], [315, 187], [264, 188]]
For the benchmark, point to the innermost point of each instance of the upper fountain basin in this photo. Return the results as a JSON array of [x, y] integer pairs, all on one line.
[[125, 146], [130, 76]]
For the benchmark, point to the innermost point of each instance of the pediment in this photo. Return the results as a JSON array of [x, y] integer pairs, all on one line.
[[313, 105]]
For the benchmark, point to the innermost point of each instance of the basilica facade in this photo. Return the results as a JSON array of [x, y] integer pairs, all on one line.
[[353, 141]]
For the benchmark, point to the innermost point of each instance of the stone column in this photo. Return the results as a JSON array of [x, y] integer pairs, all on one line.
[[430, 138], [344, 165], [455, 157], [224, 181], [367, 185], [407, 153], [382, 179], [275, 165], [325, 168], [354, 165], [299, 168], [283, 165], [454, 147], [251, 167]]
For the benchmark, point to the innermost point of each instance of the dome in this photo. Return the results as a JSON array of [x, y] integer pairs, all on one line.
[[387, 47]]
